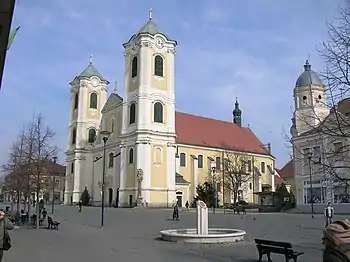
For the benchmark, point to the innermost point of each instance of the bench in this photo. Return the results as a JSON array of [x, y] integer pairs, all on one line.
[[52, 224], [235, 210], [266, 247], [33, 220]]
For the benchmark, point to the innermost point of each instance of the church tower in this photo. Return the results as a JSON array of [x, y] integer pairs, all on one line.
[[148, 133], [88, 95], [237, 114], [310, 101]]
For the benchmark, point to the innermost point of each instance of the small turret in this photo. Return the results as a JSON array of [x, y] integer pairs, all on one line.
[[237, 114]]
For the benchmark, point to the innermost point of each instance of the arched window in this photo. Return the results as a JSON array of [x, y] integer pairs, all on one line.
[[112, 126], [182, 159], [93, 100], [134, 67], [158, 112], [158, 65], [74, 136], [200, 161], [131, 156], [110, 160], [92, 135], [76, 101], [132, 113]]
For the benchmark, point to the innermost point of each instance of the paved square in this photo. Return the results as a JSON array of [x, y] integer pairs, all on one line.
[[128, 236]]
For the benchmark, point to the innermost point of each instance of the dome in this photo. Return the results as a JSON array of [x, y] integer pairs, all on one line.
[[308, 77]]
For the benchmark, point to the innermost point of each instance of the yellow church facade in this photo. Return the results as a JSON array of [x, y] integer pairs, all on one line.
[[144, 151]]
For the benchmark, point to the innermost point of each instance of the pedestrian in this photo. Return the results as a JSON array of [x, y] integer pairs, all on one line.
[[176, 212], [187, 205], [328, 214], [5, 241], [41, 205], [80, 204], [336, 240], [44, 213]]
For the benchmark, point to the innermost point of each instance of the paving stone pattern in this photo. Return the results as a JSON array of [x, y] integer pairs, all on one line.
[[129, 236]]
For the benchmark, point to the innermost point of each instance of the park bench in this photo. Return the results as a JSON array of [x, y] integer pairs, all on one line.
[[235, 210], [266, 247], [52, 224], [33, 220]]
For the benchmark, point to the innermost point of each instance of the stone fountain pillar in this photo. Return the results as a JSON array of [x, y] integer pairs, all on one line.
[[202, 218]]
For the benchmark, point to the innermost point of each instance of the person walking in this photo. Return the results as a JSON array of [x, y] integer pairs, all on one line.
[[5, 241], [176, 212], [328, 214], [187, 205], [80, 205]]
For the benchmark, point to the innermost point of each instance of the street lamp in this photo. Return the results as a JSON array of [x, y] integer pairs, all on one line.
[[53, 185], [139, 177], [105, 136], [309, 157]]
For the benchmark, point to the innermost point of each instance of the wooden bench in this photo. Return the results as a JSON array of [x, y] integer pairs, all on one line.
[[235, 210], [52, 224], [266, 247], [33, 220]]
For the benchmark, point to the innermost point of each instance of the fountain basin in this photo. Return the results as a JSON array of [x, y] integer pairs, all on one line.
[[214, 236]]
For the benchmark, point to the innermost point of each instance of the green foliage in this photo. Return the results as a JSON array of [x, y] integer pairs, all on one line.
[[85, 197], [206, 193], [285, 200]]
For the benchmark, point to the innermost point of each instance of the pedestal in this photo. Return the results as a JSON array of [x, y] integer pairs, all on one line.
[[202, 218]]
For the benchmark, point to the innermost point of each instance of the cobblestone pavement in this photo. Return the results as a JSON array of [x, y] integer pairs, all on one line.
[[129, 235]]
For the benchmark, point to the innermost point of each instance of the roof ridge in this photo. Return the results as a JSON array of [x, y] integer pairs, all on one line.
[[211, 118]]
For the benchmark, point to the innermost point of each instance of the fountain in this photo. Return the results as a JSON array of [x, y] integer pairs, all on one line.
[[203, 234]]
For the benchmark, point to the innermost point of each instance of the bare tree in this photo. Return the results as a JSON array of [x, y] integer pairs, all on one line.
[[27, 166], [236, 172]]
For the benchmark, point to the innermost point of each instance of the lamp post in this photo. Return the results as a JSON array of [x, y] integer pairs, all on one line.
[[105, 136], [53, 185], [139, 176], [309, 157]]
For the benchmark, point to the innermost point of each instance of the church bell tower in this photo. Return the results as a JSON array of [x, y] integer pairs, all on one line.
[[148, 132]]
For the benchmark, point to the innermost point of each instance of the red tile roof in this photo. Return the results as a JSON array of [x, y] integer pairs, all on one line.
[[278, 179], [208, 132], [287, 171]]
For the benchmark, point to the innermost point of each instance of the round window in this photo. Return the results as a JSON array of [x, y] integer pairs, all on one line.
[[304, 97], [319, 97]]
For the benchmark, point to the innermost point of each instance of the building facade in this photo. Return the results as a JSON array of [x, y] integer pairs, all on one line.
[[154, 154], [317, 145]]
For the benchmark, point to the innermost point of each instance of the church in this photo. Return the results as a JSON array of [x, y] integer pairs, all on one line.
[[153, 155]]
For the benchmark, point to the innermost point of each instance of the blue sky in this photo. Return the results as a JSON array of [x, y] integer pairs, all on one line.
[[253, 50]]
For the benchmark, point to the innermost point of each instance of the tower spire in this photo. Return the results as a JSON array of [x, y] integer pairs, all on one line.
[[90, 59], [237, 114], [150, 14], [115, 91]]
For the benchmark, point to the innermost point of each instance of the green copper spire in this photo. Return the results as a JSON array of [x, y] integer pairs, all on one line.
[[237, 114], [151, 28], [90, 71]]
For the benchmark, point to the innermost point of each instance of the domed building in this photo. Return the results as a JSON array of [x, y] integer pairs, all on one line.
[[314, 184]]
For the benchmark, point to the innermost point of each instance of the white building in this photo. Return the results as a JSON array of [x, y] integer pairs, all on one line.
[[317, 143]]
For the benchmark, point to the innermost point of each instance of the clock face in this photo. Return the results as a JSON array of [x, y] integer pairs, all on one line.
[[159, 42], [94, 82]]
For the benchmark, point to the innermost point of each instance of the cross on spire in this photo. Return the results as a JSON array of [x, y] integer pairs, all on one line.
[[90, 59], [115, 87], [150, 14]]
